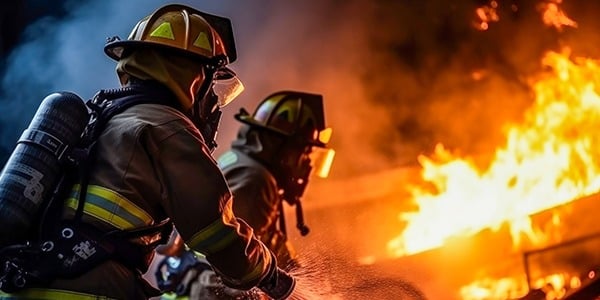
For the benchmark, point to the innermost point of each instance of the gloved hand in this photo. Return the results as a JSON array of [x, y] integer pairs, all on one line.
[[172, 271], [174, 247], [278, 284], [195, 279]]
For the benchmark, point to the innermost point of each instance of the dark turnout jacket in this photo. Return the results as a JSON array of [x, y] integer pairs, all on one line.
[[256, 200], [153, 164]]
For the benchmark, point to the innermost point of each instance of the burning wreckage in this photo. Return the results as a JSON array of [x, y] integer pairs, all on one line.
[[517, 225], [522, 227]]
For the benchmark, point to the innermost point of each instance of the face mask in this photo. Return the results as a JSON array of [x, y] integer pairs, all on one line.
[[211, 96]]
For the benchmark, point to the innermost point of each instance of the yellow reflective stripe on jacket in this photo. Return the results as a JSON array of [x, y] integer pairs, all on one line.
[[50, 294], [213, 238], [173, 296], [110, 207], [257, 272], [259, 269]]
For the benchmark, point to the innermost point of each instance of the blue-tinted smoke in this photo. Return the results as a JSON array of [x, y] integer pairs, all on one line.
[[275, 45], [63, 51], [280, 45]]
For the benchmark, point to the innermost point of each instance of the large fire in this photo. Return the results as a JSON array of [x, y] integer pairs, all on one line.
[[548, 160], [550, 157]]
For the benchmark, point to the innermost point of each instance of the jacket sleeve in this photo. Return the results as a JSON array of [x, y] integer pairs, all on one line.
[[255, 197], [196, 197]]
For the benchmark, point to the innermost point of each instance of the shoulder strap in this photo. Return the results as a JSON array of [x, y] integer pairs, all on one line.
[[103, 106], [108, 103]]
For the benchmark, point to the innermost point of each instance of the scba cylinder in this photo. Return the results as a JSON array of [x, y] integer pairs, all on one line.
[[35, 166]]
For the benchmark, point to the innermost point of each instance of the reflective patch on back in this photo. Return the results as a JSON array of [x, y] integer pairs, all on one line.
[[163, 30], [227, 159], [202, 42]]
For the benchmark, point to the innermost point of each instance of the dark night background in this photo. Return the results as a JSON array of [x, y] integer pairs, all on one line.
[[397, 76]]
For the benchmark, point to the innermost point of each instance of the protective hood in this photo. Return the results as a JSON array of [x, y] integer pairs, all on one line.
[[260, 144], [180, 74]]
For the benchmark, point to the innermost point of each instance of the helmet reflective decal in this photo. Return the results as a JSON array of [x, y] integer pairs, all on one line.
[[290, 113], [182, 28], [307, 120], [164, 30], [285, 116], [202, 41]]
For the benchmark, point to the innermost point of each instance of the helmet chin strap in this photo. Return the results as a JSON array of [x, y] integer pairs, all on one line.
[[205, 112], [209, 128], [294, 185]]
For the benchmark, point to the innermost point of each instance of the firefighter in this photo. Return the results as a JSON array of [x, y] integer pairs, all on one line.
[[153, 165], [276, 150]]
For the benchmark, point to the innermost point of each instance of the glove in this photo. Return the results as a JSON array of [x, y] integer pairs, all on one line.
[[277, 284], [172, 271]]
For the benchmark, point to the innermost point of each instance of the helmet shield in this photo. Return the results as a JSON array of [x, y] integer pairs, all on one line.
[[321, 160], [226, 86]]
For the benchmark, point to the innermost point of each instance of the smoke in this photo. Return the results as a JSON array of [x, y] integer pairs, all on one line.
[[397, 76], [63, 51]]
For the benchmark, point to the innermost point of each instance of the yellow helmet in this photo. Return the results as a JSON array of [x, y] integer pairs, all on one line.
[[176, 27], [291, 113], [299, 116]]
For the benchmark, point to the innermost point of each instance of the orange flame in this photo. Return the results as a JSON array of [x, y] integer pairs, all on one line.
[[548, 160], [553, 15], [554, 286], [485, 15], [488, 288]]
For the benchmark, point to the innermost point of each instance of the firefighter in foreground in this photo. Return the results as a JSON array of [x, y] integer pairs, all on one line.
[[276, 150], [152, 165]]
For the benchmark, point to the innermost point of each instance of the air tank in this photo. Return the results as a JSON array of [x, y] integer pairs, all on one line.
[[35, 166]]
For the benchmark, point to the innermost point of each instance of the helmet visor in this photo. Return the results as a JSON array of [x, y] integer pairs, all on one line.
[[321, 160], [227, 86]]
